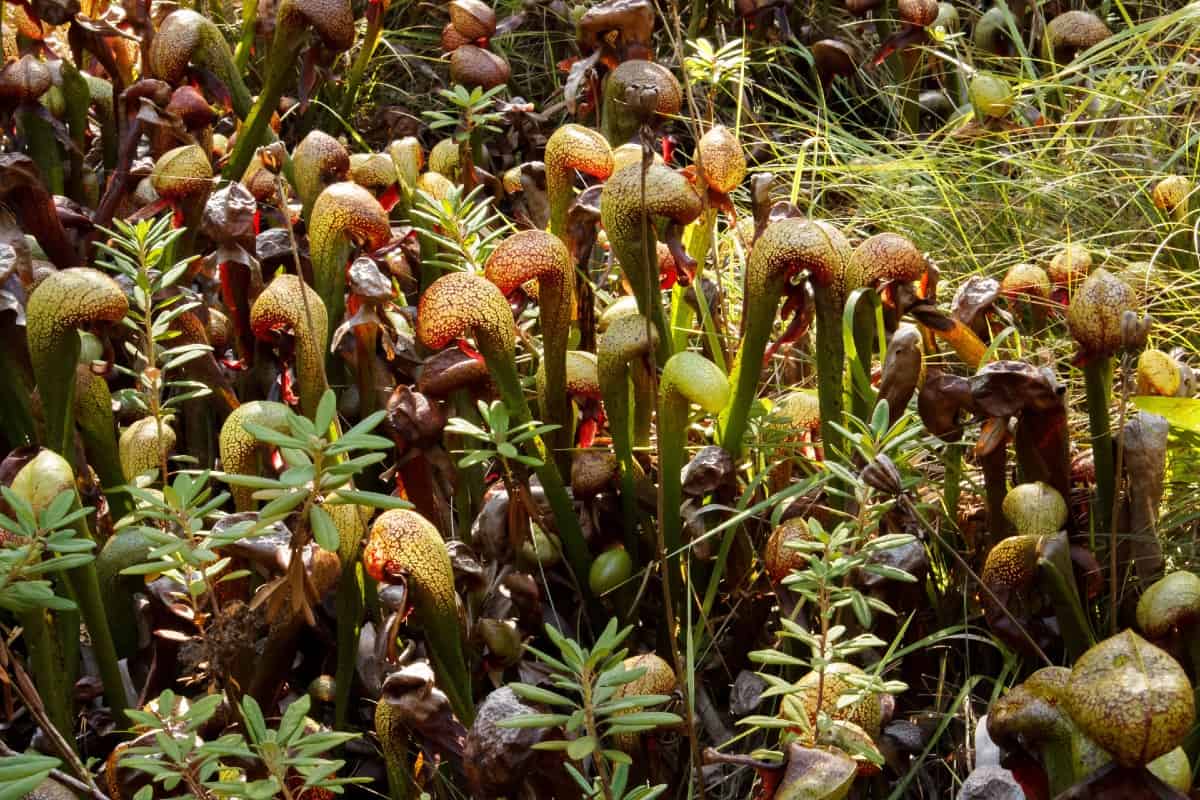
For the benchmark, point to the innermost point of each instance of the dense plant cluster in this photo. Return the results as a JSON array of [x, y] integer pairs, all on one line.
[[757, 400]]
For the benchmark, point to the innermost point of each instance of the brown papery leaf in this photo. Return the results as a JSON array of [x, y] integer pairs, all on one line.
[[903, 369], [423, 708], [1008, 388], [631, 20], [941, 402], [229, 216]]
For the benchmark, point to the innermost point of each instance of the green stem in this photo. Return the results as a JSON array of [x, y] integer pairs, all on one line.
[[863, 328], [67, 638], [637, 258], [446, 656], [716, 350], [126, 548], [349, 609], [56, 384], [79, 98], [184, 246], [555, 306], [279, 66], [86, 587], [109, 138], [14, 401], [642, 378], [42, 146], [48, 671], [1072, 622], [672, 440], [329, 280], [471, 486], [1059, 763], [241, 57], [830, 367], [627, 388], [616, 407], [696, 20], [747, 367], [1098, 378], [688, 377], [995, 489]]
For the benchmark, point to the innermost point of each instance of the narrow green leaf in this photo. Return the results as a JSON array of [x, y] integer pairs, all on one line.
[[324, 529], [581, 748]]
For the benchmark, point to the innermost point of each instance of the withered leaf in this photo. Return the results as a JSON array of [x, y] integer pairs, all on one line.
[[580, 70], [414, 419], [1008, 388], [229, 217], [903, 368], [974, 300], [709, 470], [630, 23], [421, 707]]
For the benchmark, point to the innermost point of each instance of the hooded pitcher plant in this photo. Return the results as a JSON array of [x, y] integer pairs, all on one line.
[[97, 429], [1033, 712], [785, 248], [687, 378], [570, 149], [626, 386], [1095, 321], [318, 162], [332, 21], [345, 216], [242, 453], [630, 204], [530, 255], [620, 118], [289, 303], [461, 304], [376, 172], [1030, 562], [184, 178], [721, 165], [1035, 716], [874, 264], [38, 483], [891, 262], [62, 304], [144, 446], [187, 40], [29, 83], [404, 547], [408, 157]]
